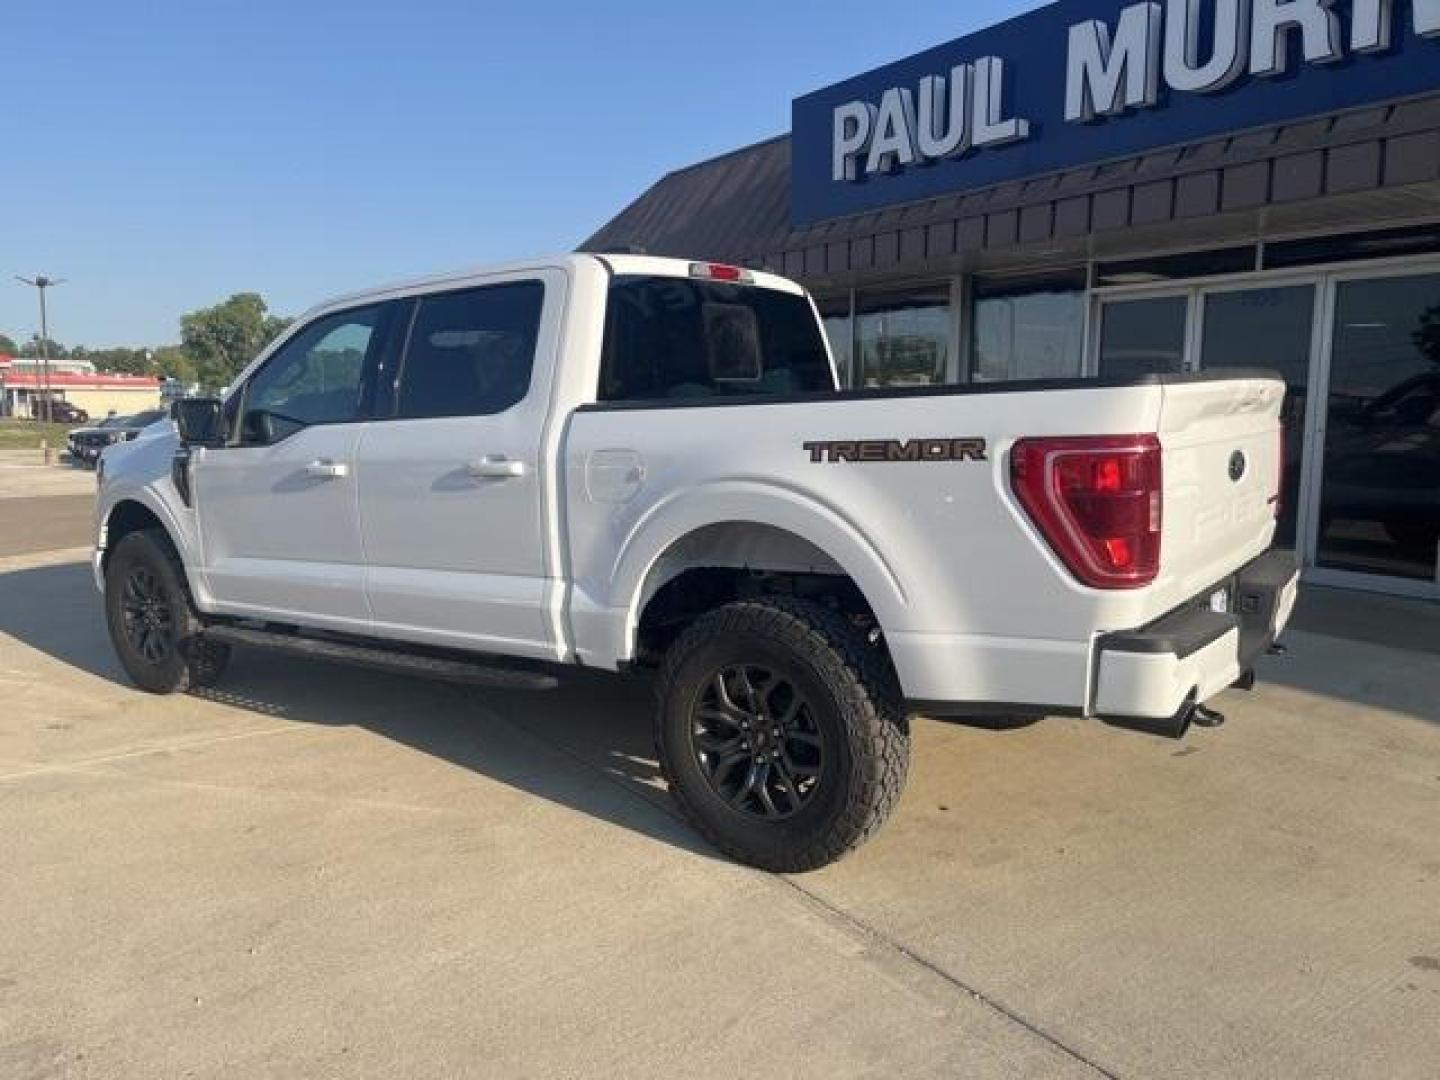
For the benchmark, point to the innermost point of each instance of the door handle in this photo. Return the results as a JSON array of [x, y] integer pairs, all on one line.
[[497, 467], [327, 470]]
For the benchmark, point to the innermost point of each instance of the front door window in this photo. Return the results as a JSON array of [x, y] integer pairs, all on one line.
[[314, 378]]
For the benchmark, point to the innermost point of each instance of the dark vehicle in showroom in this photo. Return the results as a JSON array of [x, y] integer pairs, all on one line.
[[87, 444], [1385, 463]]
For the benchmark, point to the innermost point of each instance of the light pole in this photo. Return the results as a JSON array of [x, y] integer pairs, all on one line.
[[41, 283]]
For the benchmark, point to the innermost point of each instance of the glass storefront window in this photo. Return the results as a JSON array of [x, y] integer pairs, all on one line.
[[1141, 337], [903, 338], [840, 331], [1380, 488], [1033, 331], [1268, 328], [1371, 244], [1195, 264]]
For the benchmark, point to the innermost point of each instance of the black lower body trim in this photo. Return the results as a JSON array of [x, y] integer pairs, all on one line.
[[1255, 591], [962, 710]]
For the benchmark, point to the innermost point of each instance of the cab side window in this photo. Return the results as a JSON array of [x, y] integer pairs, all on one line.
[[315, 378], [470, 353]]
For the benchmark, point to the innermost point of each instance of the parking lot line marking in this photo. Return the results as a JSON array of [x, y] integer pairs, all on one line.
[[865, 930], [816, 903], [85, 763], [250, 791]]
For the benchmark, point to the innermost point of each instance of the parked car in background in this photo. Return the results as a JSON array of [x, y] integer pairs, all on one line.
[[61, 412], [1382, 463], [87, 444]]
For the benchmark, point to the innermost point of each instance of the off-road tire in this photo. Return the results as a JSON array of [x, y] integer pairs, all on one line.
[[855, 702], [189, 660]]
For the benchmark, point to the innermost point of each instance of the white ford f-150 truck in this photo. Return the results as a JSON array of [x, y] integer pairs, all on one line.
[[630, 463]]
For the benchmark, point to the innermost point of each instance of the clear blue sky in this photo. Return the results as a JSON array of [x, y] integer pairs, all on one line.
[[163, 155]]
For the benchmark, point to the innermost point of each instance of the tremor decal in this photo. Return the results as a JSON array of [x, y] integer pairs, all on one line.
[[895, 450]]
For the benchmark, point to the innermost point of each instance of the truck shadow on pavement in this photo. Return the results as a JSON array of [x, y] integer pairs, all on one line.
[[587, 745]]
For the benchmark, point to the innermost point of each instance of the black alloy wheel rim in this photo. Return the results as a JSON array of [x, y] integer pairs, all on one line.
[[754, 736], [145, 610]]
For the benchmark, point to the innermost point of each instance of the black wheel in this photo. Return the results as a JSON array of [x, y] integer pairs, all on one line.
[[781, 733], [153, 625]]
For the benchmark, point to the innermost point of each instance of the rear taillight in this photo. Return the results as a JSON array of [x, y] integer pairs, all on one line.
[[1097, 501]]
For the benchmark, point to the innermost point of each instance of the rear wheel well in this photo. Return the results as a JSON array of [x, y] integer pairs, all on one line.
[[700, 589], [728, 561]]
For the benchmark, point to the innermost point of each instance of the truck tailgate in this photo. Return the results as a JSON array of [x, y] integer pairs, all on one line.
[[1222, 464]]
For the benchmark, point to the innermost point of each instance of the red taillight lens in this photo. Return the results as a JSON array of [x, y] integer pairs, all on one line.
[[1097, 501], [721, 272]]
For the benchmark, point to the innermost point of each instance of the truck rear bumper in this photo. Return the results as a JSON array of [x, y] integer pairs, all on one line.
[[1149, 678], [1157, 672]]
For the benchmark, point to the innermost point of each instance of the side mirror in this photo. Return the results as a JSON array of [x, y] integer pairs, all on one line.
[[198, 421]]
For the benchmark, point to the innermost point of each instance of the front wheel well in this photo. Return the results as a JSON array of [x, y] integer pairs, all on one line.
[[128, 517]]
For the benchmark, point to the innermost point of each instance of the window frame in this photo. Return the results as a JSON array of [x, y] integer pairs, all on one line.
[[400, 334], [384, 310]]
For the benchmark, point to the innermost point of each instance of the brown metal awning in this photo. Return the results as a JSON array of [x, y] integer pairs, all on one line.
[[1354, 170]]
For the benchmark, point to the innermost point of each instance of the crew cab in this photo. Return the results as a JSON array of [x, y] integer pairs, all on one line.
[[632, 463]]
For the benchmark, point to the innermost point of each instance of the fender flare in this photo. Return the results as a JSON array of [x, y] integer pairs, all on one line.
[[181, 533], [750, 502]]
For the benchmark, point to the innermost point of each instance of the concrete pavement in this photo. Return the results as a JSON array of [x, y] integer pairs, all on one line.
[[42, 507], [320, 871], [23, 474], [47, 524]]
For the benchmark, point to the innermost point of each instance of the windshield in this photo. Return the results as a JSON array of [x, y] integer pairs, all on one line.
[[114, 421]]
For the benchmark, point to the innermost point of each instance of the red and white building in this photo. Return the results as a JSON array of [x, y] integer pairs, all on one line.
[[23, 381]]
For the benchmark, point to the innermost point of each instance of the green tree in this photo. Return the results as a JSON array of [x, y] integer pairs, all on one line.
[[8, 346], [54, 349], [221, 340], [118, 361], [173, 362]]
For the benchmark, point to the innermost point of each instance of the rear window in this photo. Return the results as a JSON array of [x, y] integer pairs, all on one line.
[[671, 339]]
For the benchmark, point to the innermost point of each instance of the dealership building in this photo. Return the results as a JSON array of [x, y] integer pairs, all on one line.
[[1101, 189]]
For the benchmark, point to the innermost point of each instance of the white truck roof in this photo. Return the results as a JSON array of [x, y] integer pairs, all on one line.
[[651, 265]]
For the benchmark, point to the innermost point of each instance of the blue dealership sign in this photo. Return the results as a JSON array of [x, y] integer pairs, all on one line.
[[1085, 81]]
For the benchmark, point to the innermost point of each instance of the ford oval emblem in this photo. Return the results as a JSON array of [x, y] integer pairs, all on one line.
[[1237, 465]]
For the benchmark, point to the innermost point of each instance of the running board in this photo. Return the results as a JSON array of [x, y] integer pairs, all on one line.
[[430, 667]]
